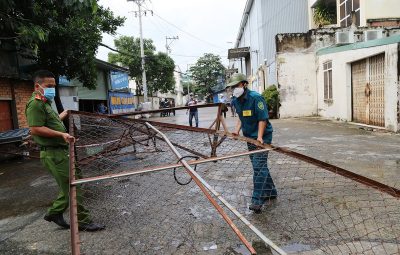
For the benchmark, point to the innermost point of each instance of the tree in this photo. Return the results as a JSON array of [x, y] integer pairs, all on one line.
[[324, 13], [206, 72], [63, 34], [159, 66]]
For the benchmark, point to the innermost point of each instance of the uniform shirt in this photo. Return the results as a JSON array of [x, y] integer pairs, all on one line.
[[39, 113], [252, 108]]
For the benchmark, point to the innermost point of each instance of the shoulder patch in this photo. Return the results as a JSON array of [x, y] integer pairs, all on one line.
[[260, 105], [37, 96]]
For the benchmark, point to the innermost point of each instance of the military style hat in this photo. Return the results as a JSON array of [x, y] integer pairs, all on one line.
[[236, 78]]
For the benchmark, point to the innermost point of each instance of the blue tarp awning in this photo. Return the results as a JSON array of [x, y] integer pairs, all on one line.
[[12, 136]]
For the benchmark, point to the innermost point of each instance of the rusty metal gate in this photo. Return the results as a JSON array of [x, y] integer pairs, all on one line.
[[368, 81]]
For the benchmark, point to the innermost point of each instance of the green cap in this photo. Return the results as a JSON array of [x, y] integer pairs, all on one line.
[[236, 78]]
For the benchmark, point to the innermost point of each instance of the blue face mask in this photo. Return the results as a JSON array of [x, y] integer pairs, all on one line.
[[49, 93]]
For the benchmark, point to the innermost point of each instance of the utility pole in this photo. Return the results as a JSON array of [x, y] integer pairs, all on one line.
[[139, 13], [167, 46]]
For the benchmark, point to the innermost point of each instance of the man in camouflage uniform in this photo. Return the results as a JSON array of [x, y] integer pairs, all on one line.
[[49, 132]]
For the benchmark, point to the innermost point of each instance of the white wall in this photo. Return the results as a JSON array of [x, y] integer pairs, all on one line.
[[297, 81], [340, 107]]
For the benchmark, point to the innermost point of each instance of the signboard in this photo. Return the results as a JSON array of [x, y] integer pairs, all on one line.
[[238, 52], [120, 102], [119, 80]]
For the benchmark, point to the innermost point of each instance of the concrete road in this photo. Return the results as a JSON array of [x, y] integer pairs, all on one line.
[[26, 190], [371, 153]]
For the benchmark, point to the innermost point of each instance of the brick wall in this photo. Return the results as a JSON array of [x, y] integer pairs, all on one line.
[[385, 23], [23, 91], [5, 89]]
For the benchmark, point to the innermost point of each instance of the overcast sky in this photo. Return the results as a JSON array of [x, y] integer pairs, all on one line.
[[203, 26]]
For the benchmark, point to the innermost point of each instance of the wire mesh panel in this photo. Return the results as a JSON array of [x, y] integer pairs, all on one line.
[[316, 211], [132, 181]]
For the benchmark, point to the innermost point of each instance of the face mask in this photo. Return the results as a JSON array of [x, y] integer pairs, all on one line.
[[237, 92], [49, 93]]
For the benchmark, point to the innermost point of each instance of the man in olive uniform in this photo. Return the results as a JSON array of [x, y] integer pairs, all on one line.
[[49, 132], [253, 120]]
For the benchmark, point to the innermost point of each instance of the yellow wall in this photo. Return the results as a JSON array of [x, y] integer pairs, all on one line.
[[376, 9]]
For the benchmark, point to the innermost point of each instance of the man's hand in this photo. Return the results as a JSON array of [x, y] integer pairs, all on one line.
[[63, 115], [68, 138], [235, 132], [260, 140]]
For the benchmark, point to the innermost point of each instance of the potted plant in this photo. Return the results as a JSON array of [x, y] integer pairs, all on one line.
[[271, 96]]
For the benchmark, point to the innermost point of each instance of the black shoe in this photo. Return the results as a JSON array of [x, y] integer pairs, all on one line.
[[255, 208], [57, 219], [91, 227]]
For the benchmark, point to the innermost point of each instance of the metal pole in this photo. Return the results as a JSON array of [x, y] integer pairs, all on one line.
[[139, 3], [73, 206], [201, 183], [197, 178], [164, 167]]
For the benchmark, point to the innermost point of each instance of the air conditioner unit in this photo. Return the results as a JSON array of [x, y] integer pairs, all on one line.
[[372, 35], [344, 37]]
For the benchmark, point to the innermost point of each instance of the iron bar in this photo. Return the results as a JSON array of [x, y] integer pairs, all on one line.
[[175, 144], [217, 126], [187, 149], [332, 168], [73, 207], [114, 147], [119, 115], [165, 167], [343, 172], [201, 183], [165, 109]]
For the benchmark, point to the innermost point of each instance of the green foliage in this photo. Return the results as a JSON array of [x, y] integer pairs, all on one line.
[[159, 66], [65, 34], [324, 14], [206, 72], [271, 96]]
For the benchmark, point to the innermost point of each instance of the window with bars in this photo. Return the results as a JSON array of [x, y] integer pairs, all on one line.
[[327, 80], [346, 8]]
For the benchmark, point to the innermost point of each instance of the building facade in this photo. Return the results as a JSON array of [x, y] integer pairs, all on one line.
[[341, 73], [254, 50], [368, 13]]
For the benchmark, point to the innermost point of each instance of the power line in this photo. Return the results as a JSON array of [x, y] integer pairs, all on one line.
[[118, 51], [188, 56], [189, 34]]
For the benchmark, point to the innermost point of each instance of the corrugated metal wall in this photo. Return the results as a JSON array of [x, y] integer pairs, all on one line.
[[266, 19], [281, 16]]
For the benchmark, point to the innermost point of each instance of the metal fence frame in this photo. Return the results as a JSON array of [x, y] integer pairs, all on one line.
[[216, 137]]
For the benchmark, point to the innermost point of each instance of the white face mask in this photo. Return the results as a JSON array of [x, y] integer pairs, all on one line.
[[237, 92]]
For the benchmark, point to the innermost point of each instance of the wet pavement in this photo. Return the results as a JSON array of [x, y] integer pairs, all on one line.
[[185, 226]]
